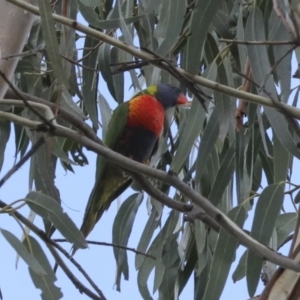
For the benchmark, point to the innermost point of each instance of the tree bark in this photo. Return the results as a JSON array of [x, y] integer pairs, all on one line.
[[15, 27]]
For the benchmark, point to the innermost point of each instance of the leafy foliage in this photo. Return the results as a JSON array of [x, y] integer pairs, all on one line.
[[241, 168]]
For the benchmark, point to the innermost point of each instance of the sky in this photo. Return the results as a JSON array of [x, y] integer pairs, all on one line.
[[98, 261]]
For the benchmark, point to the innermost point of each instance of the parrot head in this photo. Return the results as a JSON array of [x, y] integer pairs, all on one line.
[[168, 95]]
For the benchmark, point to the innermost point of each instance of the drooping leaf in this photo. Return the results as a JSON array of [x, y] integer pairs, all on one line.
[[28, 257], [92, 18], [285, 225], [169, 27], [261, 67], [156, 250], [240, 271], [266, 212], [4, 137], [223, 176], [90, 79], [146, 236], [202, 16], [49, 209], [44, 282], [208, 140], [49, 34], [223, 257], [192, 128], [121, 232]]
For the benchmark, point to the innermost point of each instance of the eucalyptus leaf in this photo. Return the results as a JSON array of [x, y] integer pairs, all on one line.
[[223, 257], [208, 140], [267, 209], [49, 209], [121, 232], [28, 257], [4, 137], [201, 19], [44, 282], [51, 42], [261, 67]]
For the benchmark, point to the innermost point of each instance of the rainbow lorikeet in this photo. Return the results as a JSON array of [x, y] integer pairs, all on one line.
[[133, 131]]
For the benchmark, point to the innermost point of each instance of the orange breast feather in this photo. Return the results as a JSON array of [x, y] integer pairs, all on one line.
[[145, 111]]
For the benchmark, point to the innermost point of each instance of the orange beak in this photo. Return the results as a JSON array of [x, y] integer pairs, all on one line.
[[181, 100]]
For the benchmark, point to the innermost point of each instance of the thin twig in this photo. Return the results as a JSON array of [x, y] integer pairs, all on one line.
[[22, 54], [71, 276], [23, 160], [109, 245], [80, 269]]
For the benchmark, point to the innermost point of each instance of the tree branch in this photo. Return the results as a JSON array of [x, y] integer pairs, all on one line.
[[51, 245], [63, 113], [174, 181], [196, 198], [110, 245], [148, 57]]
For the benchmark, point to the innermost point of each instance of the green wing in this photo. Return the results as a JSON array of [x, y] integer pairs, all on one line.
[[110, 181], [116, 125], [114, 131]]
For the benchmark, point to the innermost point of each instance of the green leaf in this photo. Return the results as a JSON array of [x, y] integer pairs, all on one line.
[[49, 209], [170, 260], [192, 128], [261, 67], [281, 160], [278, 32], [31, 261], [146, 237], [49, 34], [156, 250], [267, 209], [58, 152], [118, 56], [129, 40], [105, 112], [121, 232], [92, 18], [223, 257], [285, 225], [170, 24], [4, 137], [44, 282], [210, 135], [21, 140], [42, 168], [240, 271], [201, 19], [224, 176], [90, 79]]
